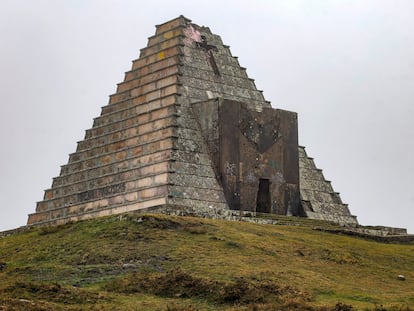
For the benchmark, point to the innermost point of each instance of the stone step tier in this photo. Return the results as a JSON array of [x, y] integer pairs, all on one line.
[[319, 200]]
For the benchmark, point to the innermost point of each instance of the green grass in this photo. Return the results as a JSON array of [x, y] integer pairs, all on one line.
[[156, 262]]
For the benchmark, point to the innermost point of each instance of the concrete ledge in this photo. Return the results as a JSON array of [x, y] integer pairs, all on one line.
[[401, 238]]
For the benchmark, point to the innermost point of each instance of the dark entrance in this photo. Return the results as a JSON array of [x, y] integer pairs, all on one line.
[[263, 204]]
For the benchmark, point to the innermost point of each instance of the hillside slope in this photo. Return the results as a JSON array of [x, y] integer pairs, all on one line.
[[156, 262]]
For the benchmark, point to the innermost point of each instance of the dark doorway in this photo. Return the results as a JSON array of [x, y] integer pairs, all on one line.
[[263, 197]]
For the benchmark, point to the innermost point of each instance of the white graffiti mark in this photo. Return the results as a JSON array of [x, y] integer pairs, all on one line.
[[230, 169], [251, 177], [278, 178]]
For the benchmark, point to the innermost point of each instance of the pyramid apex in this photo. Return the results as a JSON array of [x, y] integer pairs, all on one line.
[[180, 20]]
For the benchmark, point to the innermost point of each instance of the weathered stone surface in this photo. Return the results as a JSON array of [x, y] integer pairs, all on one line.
[[318, 198], [187, 131]]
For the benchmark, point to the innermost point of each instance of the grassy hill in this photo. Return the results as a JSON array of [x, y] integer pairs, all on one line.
[[156, 262]]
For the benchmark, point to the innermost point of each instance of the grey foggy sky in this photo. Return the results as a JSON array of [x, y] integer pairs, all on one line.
[[346, 68]]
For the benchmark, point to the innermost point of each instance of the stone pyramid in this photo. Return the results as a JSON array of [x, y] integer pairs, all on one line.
[[188, 131]]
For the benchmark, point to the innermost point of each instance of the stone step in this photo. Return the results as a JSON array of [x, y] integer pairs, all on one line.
[[68, 195], [133, 127], [105, 150], [150, 71], [109, 153], [153, 58], [241, 90], [342, 219], [199, 58], [241, 95], [180, 21], [311, 174], [320, 201], [196, 193], [158, 77], [99, 176], [330, 208], [83, 211], [196, 206], [136, 109], [227, 70], [159, 38], [320, 196], [186, 181], [161, 46], [150, 94], [307, 163], [323, 186], [193, 169]]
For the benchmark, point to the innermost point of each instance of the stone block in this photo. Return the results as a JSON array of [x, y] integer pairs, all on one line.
[[156, 135], [152, 169], [165, 36], [48, 194], [153, 192], [174, 41], [208, 208], [145, 182], [191, 145], [150, 158], [137, 151], [161, 179], [41, 206], [191, 157], [193, 169], [175, 50], [151, 77], [170, 80], [37, 218], [131, 197], [170, 25], [152, 68], [113, 107], [197, 192], [120, 156], [107, 159], [119, 199], [185, 180], [146, 204]]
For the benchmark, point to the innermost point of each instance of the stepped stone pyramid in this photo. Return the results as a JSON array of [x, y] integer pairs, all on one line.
[[318, 198], [188, 131]]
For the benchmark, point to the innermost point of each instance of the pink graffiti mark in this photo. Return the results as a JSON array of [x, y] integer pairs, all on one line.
[[192, 34]]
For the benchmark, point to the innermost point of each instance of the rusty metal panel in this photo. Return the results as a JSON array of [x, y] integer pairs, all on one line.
[[255, 155], [254, 147], [229, 152]]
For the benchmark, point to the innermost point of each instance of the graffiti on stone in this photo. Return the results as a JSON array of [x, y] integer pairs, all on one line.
[[251, 177], [263, 136], [101, 192], [278, 178], [230, 169], [191, 35]]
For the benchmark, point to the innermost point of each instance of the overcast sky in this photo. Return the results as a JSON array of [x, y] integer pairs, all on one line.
[[346, 68]]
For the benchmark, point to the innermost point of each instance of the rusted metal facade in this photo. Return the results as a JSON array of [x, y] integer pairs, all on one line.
[[255, 155]]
